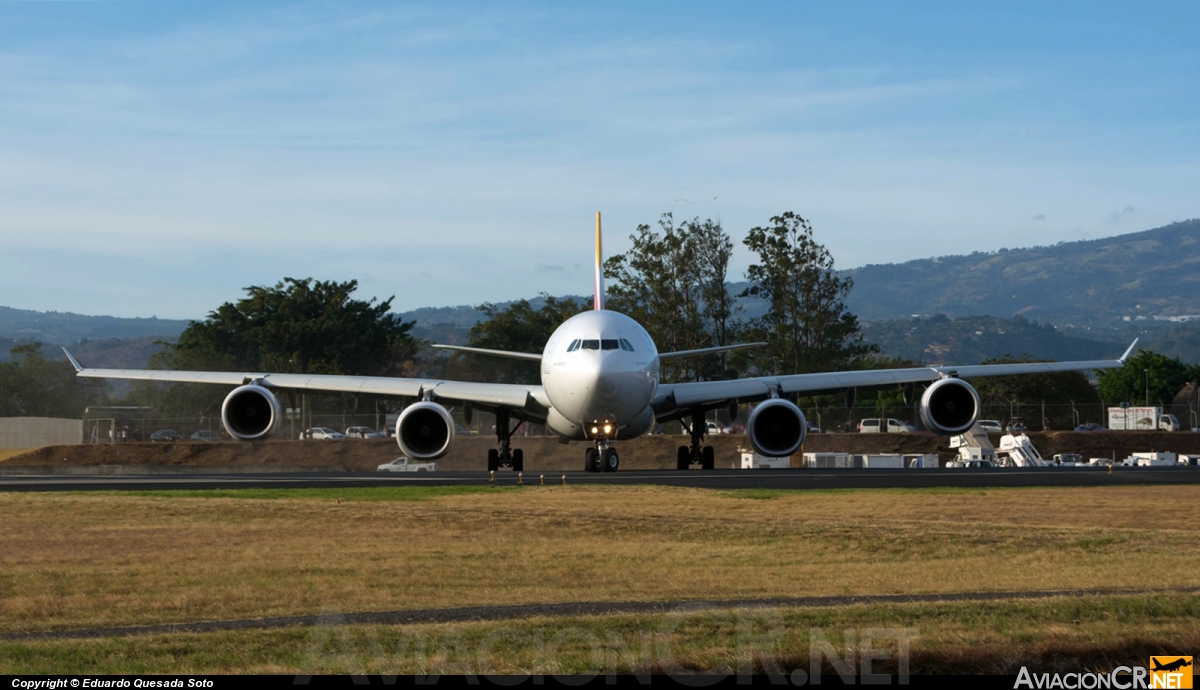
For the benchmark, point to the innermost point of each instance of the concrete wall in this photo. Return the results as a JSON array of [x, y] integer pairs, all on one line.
[[35, 432]]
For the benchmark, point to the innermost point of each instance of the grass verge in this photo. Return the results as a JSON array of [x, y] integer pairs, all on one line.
[[992, 637], [85, 560]]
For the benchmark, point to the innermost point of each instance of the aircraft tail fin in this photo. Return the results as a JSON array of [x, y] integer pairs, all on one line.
[[598, 302]]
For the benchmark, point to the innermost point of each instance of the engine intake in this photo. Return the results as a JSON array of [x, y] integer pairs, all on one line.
[[250, 412], [949, 407], [424, 431], [776, 428]]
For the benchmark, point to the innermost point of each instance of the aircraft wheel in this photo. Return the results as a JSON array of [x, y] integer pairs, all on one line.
[[591, 460], [683, 458], [518, 460], [493, 460], [611, 460], [708, 459]]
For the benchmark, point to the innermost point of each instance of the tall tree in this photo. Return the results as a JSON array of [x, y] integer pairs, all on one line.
[[516, 328], [296, 326], [807, 325], [673, 282], [33, 385], [1146, 376]]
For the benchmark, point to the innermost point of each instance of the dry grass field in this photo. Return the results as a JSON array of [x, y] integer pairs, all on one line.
[[85, 560]]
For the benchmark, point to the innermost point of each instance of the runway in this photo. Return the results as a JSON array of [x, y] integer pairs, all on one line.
[[713, 479]]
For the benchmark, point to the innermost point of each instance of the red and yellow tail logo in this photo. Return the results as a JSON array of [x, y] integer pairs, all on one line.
[[1171, 672]]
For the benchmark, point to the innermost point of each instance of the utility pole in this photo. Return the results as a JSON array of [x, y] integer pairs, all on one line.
[[1147, 370]]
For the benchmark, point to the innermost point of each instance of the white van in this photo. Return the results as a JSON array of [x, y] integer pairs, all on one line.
[[894, 426]]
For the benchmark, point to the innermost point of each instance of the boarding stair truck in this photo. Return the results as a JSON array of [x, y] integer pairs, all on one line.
[[1016, 450], [974, 445], [1146, 418]]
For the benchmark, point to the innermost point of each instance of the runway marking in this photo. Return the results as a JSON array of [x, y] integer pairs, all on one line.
[[594, 608]]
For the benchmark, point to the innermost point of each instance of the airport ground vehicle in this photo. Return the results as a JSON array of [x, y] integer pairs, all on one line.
[[166, 435], [976, 464], [894, 426], [403, 464], [601, 384], [362, 432], [205, 435], [1146, 418], [324, 433]]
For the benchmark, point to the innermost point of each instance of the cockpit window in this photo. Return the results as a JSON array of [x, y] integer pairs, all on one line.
[[573, 346], [591, 344], [625, 345], [610, 344]]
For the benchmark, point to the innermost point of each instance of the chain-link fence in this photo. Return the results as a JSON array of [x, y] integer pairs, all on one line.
[[1034, 416]]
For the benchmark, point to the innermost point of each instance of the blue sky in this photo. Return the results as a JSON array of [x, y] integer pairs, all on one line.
[[156, 158]]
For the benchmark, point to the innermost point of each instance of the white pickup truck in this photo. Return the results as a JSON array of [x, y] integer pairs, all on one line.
[[403, 464]]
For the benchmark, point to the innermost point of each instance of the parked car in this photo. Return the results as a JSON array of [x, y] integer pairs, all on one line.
[[1090, 426], [991, 426], [205, 435], [894, 426], [324, 433], [813, 428], [714, 429], [974, 464], [403, 464], [362, 432], [166, 435]]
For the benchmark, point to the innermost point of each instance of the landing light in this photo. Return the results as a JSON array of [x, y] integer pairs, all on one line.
[[595, 430], [608, 428]]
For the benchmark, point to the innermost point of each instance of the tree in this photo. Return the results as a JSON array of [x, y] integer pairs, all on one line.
[[32, 385], [516, 328], [296, 326], [1146, 375], [673, 282], [807, 325]]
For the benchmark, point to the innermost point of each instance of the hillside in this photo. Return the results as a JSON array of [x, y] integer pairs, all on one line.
[[1091, 282], [970, 340], [65, 328]]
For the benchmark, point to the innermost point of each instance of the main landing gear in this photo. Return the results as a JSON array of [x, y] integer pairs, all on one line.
[[505, 455], [704, 456], [602, 458]]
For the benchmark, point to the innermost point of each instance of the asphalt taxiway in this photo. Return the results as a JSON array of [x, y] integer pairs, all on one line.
[[711, 479]]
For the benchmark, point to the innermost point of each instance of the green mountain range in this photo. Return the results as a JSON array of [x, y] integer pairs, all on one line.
[[1086, 283]]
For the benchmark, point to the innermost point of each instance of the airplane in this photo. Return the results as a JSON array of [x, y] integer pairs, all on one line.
[[600, 383]]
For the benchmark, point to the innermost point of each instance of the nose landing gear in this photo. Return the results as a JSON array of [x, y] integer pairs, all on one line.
[[602, 458]]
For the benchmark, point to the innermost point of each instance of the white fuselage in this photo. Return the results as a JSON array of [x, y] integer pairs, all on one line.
[[600, 369]]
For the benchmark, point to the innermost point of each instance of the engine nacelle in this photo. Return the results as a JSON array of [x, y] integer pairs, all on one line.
[[776, 428], [424, 431], [250, 413], [949, 407]]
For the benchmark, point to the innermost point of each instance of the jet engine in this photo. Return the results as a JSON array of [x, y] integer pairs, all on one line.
[[950, 406], [776, 428], [250, 412], [424, 431]]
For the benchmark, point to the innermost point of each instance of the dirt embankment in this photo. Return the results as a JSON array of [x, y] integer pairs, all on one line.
[[547, 454]]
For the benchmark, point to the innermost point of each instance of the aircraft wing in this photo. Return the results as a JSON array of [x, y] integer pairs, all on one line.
[[674, 396], [485, 395]]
